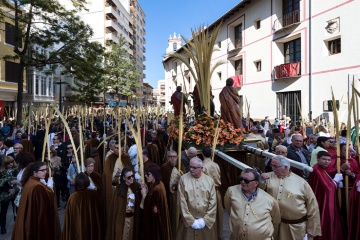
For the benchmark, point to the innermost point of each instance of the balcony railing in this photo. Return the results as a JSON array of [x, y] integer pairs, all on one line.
[[287, 20], [287, 70]]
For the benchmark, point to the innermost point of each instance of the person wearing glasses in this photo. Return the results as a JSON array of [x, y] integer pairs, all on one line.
[[37, 216], [197, 198], [297, 202], [156, 212], [170, 176], [253, 214], [124, 220], [83, 209]]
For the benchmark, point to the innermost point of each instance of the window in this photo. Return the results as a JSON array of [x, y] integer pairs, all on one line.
[[292, 51], [174, 47], [257, 24], [219, 44], [219, 75], [37, 85], [10, 34], [258, 66], [29, 85], [287, 104], [238, 36], [12, 72], [291, 12], [334, 46], [238, 67], [43, 86]]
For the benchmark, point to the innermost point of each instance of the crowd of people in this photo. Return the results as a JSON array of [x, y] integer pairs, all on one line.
[[105, 197]]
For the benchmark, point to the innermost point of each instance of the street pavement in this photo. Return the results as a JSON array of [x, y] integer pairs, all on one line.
[[10, 223]]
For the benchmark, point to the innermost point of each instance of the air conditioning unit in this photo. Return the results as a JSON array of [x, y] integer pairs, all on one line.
[[328, 105]]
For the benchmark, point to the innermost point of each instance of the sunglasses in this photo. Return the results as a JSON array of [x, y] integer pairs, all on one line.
[[130, 177], [245, 180]]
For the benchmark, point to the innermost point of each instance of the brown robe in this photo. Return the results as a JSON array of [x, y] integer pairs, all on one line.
[[156, 214], [116, 220], [174, 211], [27, 146], [107, 180], [97, 165], [153, 153], [91, 143], [230, 111], [82, 216], [37, 215]]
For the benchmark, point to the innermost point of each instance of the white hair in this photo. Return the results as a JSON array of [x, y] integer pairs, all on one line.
[[199, 161], [283, 161]]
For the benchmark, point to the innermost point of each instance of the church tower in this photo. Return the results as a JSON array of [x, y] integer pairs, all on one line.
[[174, 43]]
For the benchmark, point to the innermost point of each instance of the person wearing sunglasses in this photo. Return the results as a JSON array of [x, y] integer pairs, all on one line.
[[197, 197], [253, 214], [37, 215], [297, 202], [156, 212], [83, 209], [124, 221]]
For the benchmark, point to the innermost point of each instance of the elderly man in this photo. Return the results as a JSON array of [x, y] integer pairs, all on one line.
[[279, 150], [297, 152], [170, 176], [254, 214], [212, 169], [298, 206], [186, 155], [197, 199]]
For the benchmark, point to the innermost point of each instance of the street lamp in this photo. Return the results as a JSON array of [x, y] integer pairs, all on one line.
[[60, 83]]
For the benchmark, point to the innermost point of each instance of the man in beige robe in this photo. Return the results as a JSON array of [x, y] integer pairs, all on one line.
[[197, 199], [170, 176], [254, 214], [212, 169], [297, 202]]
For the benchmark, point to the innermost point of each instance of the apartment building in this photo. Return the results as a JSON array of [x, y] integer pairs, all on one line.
[[285, 56], [159, 93], [9, 69]]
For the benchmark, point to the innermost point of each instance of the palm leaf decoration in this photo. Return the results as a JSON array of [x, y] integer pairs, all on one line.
[[199, 49]]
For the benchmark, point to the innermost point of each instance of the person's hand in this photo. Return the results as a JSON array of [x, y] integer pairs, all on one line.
[[11, 192], [345, 166], [50, 183], [338, 177], [264, 176], [118, 173], [14, 182], [201, 223], [144, 189]]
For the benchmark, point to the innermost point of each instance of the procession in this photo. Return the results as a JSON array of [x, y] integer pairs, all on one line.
[[251, 134]]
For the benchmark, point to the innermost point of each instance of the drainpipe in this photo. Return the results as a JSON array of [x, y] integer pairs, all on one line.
[[310, 90]]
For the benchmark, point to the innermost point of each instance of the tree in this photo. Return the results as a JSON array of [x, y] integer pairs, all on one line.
[[121, 72], [199, 49], [88, 83], [46, 24]]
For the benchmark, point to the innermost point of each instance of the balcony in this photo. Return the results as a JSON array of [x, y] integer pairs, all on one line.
[[144, 67], [288, 20], [144, 50], [111, 3], [144, 75], [111, 25], [144, 40], [144, 58], [112, 37], [287, 70], [110, 12]]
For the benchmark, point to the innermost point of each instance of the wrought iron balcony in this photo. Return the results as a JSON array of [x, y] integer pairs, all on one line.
[[287, 70], [287, 20]]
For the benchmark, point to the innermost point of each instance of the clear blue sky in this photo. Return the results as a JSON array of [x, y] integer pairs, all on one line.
[[164, 17]]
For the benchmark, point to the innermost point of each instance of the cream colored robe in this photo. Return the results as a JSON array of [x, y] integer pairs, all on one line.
[[212, 169], [197, 199], [296, 200], [257, 219]]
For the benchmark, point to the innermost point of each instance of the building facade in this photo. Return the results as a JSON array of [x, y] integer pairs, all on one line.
[[159, 93], [285, 54], [112, 19], [9, 69]]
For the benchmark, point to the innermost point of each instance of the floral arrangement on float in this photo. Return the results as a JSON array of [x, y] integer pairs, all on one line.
[[204, 130]]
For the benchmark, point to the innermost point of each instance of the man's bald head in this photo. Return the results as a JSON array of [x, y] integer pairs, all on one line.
[[281, 150], [191, 152]]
